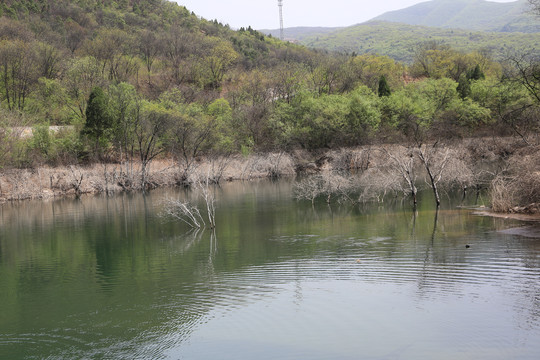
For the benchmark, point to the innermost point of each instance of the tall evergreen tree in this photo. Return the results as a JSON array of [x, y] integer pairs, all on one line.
[[384, 89], [464, 86], [476, 73], [98, 125]]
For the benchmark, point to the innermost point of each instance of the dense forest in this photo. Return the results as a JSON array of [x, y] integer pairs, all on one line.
[[140, 79]]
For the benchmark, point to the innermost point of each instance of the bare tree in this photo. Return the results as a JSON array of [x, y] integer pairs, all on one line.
[[149, 47], [48, 60], [82, 75], [191, 137], [177, 46], [17, 72], [403, 162], [74, 35], [535, 6], [527, 72]]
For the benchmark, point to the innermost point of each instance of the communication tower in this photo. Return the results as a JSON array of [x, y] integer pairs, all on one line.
[[281, 31]]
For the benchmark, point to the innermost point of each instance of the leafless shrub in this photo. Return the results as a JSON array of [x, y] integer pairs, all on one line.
[[309, 188], [272, 165], [376, 183], [275, 164], [108, 182], [128, 176], [327, 184], [77, 177], [217, 165], [352, 159], [21, 189], [250, 166], [517, 189], [502, 197]]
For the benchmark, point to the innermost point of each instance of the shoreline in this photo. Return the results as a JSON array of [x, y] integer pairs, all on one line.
[[533, 218], [47, 182]]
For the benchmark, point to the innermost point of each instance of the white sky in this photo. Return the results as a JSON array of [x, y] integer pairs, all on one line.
[[264, 14]]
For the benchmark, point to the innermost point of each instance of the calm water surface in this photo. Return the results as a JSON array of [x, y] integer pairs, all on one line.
[[108, 278]]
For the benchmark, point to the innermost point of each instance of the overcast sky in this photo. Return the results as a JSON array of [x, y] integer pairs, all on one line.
[[264, 14]]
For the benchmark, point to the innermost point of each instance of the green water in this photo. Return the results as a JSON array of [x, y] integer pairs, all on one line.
[[108, 278]]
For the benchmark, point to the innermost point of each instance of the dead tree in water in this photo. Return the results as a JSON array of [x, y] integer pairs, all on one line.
[[404, 163], [434, 162], [185, 212], [190, 214], [209, 199]]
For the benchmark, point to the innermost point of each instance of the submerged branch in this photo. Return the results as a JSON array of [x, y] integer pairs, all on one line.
[[185, 212]]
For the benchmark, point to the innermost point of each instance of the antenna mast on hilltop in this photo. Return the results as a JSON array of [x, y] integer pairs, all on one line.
[[281, 31]]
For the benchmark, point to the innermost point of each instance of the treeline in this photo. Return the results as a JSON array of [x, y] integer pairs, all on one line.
[[134, 80]]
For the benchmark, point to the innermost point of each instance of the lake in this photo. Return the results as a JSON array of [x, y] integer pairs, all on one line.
[[110, 278]]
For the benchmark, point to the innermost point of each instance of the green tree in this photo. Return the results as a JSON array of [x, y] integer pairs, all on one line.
[[313, 122], [151, 126], [432, 59], [409, 112], [363, 117], [124, 107], [219, 58]]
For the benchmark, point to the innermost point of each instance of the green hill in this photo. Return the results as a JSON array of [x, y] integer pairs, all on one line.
[[399, 40], [478, 15]]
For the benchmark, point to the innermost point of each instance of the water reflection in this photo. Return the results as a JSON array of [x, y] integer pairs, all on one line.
[[108, 277]]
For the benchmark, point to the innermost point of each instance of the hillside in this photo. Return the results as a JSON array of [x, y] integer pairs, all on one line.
[[398, 40], [154, 45], [477, 15]]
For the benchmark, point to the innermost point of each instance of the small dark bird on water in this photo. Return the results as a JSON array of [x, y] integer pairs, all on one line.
[[467, 246]]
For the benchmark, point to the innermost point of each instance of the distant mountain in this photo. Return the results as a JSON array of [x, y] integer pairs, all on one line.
[[478, 15], [399, 40], [300, 33]]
